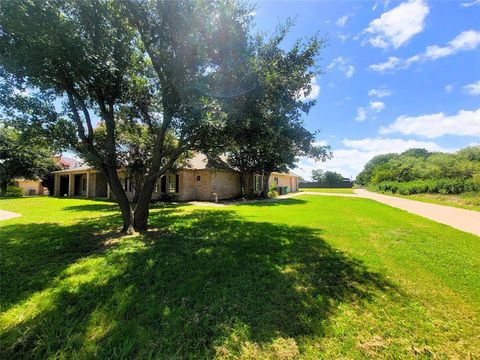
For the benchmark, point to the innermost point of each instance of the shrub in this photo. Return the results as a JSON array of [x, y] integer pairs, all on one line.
[[13, 191], [441, 186], [272, 192]]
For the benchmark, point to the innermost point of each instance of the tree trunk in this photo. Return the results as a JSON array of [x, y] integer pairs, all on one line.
[[123, 202], [3, 189], [266, 178], [142, 210], [243, 184]]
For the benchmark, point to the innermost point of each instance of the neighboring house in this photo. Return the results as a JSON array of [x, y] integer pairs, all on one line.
[[31, 187], [201, 178], [35, 187]]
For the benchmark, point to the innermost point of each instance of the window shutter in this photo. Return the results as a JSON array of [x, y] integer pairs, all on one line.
[[176, 183], [163, 187]]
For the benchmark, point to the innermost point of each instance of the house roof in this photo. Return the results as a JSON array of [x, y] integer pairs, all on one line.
[[78, 168], [68, 162], [199, 161]]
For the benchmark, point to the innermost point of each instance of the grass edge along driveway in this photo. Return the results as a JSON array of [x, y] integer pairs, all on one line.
[[329, 190], [309, 277]]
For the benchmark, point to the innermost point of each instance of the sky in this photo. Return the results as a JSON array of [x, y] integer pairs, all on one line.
[[395, 75]]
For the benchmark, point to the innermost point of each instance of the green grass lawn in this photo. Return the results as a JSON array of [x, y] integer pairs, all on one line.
[[330, 190], [469, 201], [311, 277]]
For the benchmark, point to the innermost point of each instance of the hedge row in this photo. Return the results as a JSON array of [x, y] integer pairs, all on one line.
[[441, 186]]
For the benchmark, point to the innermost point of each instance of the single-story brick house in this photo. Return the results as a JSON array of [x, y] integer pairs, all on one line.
[[31, 187], [201, 178]]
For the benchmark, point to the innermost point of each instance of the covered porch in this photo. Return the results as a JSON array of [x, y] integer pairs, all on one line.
[[82, 182]]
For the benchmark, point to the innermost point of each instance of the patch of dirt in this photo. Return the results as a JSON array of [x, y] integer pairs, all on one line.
[[373, 345]]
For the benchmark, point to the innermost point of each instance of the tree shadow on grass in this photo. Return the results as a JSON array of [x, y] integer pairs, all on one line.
[[32, 255], [210, 285], [273, 202], [93, 207]]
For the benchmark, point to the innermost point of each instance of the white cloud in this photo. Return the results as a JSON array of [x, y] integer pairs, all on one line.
[[472, 89], [448, 88], [320, 143], [361, 114], [465, 123], [343, 20], [471, 3], [396, 26], [344, 100], [377, 3], [380, 92], [386, 145], [343, 37], [377, 106], [465, 41], [314, 93], [349, 161], [391, 63], [342, 64]]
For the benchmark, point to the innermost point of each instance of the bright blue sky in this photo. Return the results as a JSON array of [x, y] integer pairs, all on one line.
[[424, 84]]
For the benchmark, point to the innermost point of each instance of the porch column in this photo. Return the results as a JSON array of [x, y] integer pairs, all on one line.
[[56, 185], [88, 184], [71, 185], [108, 190], [94, 185]]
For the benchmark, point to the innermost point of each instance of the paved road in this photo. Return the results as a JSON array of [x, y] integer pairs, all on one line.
[[5, 215], [465, 220]]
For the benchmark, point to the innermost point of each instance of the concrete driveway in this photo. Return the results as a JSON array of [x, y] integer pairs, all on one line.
[[5, 215]]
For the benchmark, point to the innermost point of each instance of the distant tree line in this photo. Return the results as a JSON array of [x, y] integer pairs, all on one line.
[[327, 178], [421, 171]]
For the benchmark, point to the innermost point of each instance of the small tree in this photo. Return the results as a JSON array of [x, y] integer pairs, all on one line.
[[332, 178], [318, 175], [327, 177], [21, 158]]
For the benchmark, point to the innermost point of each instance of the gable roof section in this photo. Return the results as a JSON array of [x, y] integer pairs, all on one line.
[[201, 161]]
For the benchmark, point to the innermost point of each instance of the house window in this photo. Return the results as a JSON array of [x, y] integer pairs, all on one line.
[[163, 184], [172, 183], [275, 180], [127, 184]]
